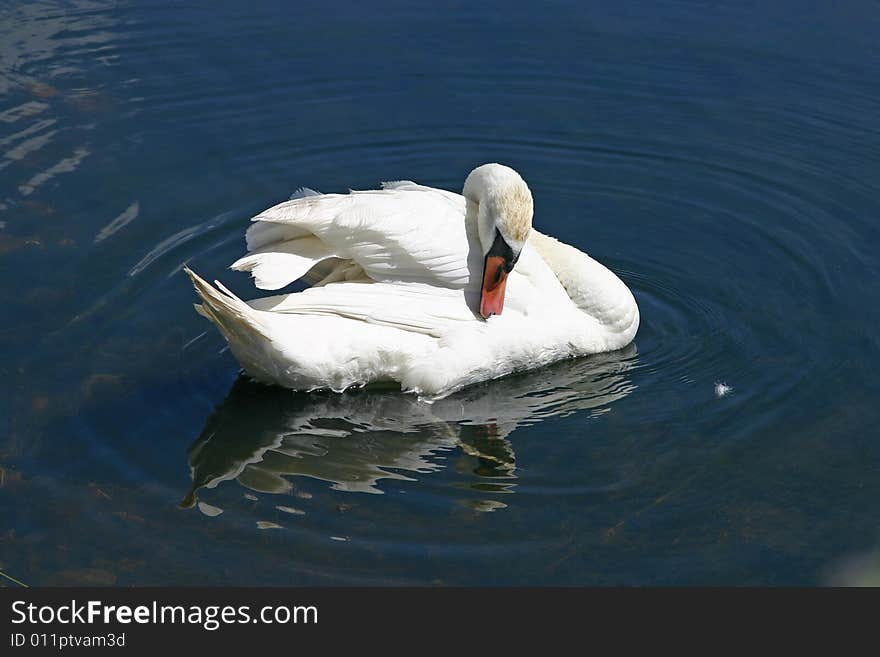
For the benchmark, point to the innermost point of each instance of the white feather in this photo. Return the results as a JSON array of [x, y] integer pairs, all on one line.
[[280, 263]]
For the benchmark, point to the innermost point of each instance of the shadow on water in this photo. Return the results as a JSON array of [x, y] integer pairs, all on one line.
[[261, 436]]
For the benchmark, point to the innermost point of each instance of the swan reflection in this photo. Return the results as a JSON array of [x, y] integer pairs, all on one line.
[[262, 436]]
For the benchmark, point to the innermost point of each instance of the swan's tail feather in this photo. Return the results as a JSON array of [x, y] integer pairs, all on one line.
[[237, 321], [200, 309]]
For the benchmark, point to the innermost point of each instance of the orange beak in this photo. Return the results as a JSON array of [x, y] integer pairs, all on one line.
[[494, 283]]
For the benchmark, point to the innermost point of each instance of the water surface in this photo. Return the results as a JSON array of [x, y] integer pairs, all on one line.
[[721, 158]]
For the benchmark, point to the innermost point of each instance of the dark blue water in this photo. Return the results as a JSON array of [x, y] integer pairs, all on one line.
[[723, 158]]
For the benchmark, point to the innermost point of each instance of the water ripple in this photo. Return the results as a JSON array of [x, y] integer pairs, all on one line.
[[727, 177]]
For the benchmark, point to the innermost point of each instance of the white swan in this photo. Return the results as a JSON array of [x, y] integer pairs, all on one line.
[[408, 286]]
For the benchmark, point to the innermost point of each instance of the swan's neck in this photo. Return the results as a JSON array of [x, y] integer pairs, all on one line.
[[592, 287]]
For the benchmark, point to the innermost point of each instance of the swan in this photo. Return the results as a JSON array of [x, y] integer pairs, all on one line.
[[416, 286]]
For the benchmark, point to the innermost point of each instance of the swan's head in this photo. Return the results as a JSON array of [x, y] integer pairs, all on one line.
[[503, 205]]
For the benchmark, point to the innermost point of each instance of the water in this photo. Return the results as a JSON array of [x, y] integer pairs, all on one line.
[[721, 158]]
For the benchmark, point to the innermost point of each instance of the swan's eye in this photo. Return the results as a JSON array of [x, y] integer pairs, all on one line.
[[501, 249]]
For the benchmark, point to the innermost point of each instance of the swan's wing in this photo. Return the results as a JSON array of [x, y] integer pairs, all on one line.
[[280, 263], [406, 306], [430, 309], [404, 233]]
